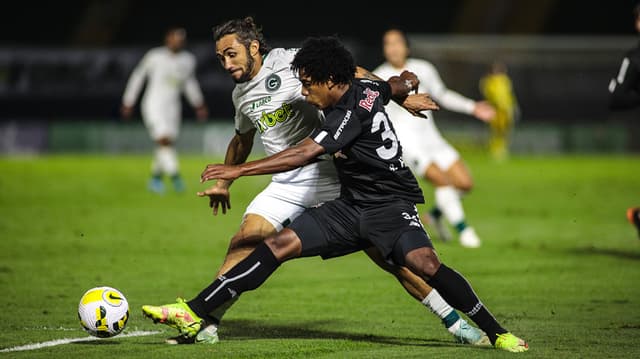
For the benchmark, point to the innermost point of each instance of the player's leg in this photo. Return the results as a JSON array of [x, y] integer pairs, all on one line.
[[460, 178], [415, 251], [434, 217], [169, 129], [188, 317], [501, 128], [328, 230], [271, 210], [156, 183], [429, 297]]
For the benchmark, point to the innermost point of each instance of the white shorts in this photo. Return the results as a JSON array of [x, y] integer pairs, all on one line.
[[420, 156], [281, 203], [161, 123]]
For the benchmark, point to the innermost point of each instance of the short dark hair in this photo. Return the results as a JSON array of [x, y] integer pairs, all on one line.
[[636, 11], [245, 29], [323, 59]]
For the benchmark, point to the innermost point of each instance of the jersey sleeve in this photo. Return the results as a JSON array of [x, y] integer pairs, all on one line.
[[136, 80], [624, 88], [340, 128], [449, 99], [192, 89], [243, 123]]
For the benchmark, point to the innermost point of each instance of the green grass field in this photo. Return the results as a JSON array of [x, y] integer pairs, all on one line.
[[559, 265]]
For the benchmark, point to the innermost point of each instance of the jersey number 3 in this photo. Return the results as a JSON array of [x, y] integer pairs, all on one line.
[[386, 153]]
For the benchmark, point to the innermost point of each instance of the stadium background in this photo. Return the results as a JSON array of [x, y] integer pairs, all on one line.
[[558, 264], [63, 67]]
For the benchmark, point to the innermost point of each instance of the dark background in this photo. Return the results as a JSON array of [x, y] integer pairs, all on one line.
[[124, 22], [69, 60]]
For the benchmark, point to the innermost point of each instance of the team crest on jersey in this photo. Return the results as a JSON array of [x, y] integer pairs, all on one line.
[[367, 103], [272, 82]]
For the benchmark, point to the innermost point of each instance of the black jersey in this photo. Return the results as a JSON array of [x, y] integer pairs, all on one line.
[[366, 151], [625, 87]]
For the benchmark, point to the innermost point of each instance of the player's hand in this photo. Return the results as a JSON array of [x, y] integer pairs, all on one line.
[[419, 102], [484, 111], [411, 80], [202, 113], [219, 197], [126, 111], [220, 171]]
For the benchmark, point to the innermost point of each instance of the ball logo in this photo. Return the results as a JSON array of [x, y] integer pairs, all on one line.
[[112, 297], [272, 83]]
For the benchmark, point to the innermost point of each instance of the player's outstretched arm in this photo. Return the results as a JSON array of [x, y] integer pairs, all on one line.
[[237, 152], [401, 86], [293, 157]]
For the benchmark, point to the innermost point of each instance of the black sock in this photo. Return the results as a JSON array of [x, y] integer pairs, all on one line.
[[455, 289], [249, 274], [436, 212]]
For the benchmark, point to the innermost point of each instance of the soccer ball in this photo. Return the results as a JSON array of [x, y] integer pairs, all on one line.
[[103, 312]]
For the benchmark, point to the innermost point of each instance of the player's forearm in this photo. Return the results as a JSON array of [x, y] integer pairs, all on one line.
[[454, 101], [237, 152], [291, 158]]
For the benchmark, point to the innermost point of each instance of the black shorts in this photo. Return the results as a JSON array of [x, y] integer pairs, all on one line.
[[340, 227]]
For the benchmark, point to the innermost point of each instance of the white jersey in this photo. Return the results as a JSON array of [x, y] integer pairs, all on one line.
[[168, 74], [272, 102], [413, 129]]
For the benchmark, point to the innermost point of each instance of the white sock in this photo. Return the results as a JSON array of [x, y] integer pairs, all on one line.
[[448, 200], [437, 305], [168, 159], [442, 309]]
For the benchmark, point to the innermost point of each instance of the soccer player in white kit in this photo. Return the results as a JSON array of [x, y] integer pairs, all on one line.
[[268, 100], [169, 71], [425, 150]]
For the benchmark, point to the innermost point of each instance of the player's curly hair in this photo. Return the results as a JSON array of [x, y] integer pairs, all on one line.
[[245, 29], [323, 59]]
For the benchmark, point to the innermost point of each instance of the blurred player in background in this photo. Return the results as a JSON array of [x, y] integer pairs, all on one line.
[[268, 100], [625, 94], [169, 71], [497, 89], [425, 150]]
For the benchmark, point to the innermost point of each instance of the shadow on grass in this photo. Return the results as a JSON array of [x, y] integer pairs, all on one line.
[[243, 329], [617, 253]]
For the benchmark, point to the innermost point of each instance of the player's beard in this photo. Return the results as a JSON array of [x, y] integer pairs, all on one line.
[[246, 76]]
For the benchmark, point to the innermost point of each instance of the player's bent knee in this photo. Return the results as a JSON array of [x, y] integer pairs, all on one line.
[[253, 231], [285, 245], [423, 262]]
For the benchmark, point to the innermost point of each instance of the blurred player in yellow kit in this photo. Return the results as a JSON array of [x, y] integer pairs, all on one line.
[[497, 89]]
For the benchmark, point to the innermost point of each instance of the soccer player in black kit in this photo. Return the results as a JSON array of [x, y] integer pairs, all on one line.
[[625, 95], [376, 207]]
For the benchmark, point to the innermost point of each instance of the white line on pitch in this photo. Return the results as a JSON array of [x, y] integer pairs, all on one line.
[[52, 343]]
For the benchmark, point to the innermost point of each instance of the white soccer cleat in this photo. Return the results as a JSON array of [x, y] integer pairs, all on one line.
[[469, 238], [468, 334]]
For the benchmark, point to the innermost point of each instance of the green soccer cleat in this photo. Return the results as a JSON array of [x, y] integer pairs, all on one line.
[[468, 334], [206, 335], [511, 343], [177, 315]]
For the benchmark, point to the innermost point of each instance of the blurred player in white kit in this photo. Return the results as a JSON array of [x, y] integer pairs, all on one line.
[[425, 150], [169, 71]]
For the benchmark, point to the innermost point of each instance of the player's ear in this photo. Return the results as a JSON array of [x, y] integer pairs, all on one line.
[[330, 84], [254, 48]]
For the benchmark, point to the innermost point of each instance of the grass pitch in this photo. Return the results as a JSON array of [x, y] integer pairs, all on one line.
[[559, 264]]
